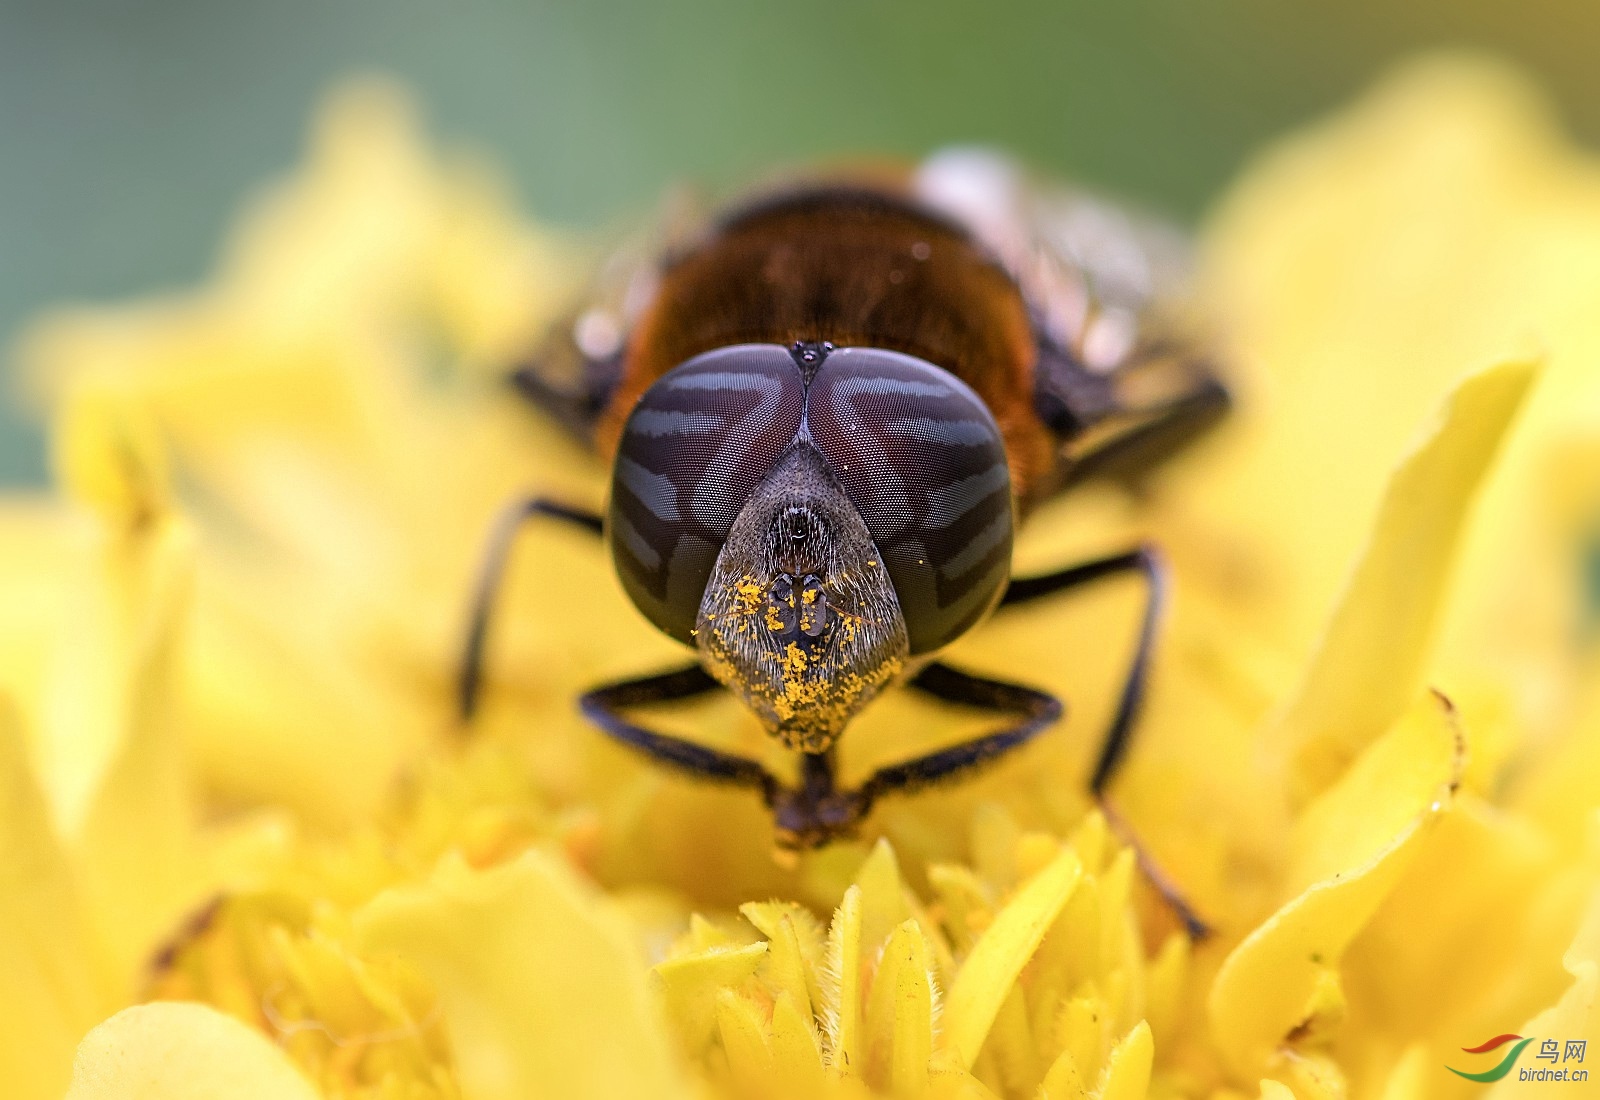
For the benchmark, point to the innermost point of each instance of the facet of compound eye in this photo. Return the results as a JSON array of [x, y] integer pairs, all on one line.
[[921, 458], [695, 446]]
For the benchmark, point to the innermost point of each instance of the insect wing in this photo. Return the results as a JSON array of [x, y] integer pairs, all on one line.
[[1125, 373]]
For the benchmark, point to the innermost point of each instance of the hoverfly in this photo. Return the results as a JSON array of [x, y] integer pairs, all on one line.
[[825, 414]]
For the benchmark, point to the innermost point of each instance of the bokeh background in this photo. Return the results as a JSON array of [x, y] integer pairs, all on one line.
[[129, 132]]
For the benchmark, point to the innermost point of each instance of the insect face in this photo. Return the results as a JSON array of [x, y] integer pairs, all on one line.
[[799, 618], [812, 520]]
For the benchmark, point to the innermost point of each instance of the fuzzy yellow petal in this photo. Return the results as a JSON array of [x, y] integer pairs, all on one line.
[[794, 949], [1127, 1072], [899, 1023], [542, 990], [990, 969], [172, 1050], [1284, 976], [1063, 1081], [744, 1040], [52, 991], [796, 1053], [1084, 1027], [1371, 659], [691, 983], [841, 997]]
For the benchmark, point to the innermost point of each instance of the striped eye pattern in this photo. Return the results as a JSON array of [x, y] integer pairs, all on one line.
[[693, 450], [921, 458], [916, 451]]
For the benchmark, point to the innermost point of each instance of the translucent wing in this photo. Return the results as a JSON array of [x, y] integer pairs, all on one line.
[[579, 360], [1125, 372]]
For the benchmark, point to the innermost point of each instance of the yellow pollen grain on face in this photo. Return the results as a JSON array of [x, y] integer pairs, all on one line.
[[794, 662]]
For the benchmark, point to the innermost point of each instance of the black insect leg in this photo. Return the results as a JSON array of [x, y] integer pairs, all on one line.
[[817, 811], [1037, 709], [1153, 872], [1130, 455], [1124, 424], [490, 573], [1147, 562], [603, 707]]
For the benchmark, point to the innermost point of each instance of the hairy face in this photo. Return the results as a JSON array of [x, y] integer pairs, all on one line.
[[800, 617]]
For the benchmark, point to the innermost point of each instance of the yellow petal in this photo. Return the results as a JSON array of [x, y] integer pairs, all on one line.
[[110, 738], [109, 455], [1284, 976], [1370, 660], [796, 1054], [542, 989], [883, 902], [1063, 1081], [690, 985], [899, 1023], [1505, 891], [1364, 298], [1409, 1078], [1084, 1031], [785, 969], [744, 1040], [1164, 985], [173, 1050], [794, 949], [841, 985], [1011, 1055], [52, 989], [1127, 1072], [991, 968], [965, 898], [1576, 1016], [137, 845], [1415, 766]]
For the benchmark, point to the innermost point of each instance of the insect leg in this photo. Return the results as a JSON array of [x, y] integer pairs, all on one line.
[[1152, 436], [603, 705], [818, 811], [1147, 561], [1144, 560], [490, 573], [1037, 709], [1153, 872]]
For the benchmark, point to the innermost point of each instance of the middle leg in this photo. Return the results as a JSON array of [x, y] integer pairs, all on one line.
[[1113, 749]]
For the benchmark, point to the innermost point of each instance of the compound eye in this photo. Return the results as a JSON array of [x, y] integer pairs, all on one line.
[[921, 458], [693, 450]]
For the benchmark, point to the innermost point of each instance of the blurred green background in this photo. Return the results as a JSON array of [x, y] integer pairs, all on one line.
[[129, 132]]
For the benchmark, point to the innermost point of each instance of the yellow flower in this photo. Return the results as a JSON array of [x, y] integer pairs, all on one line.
[[245, 850]]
